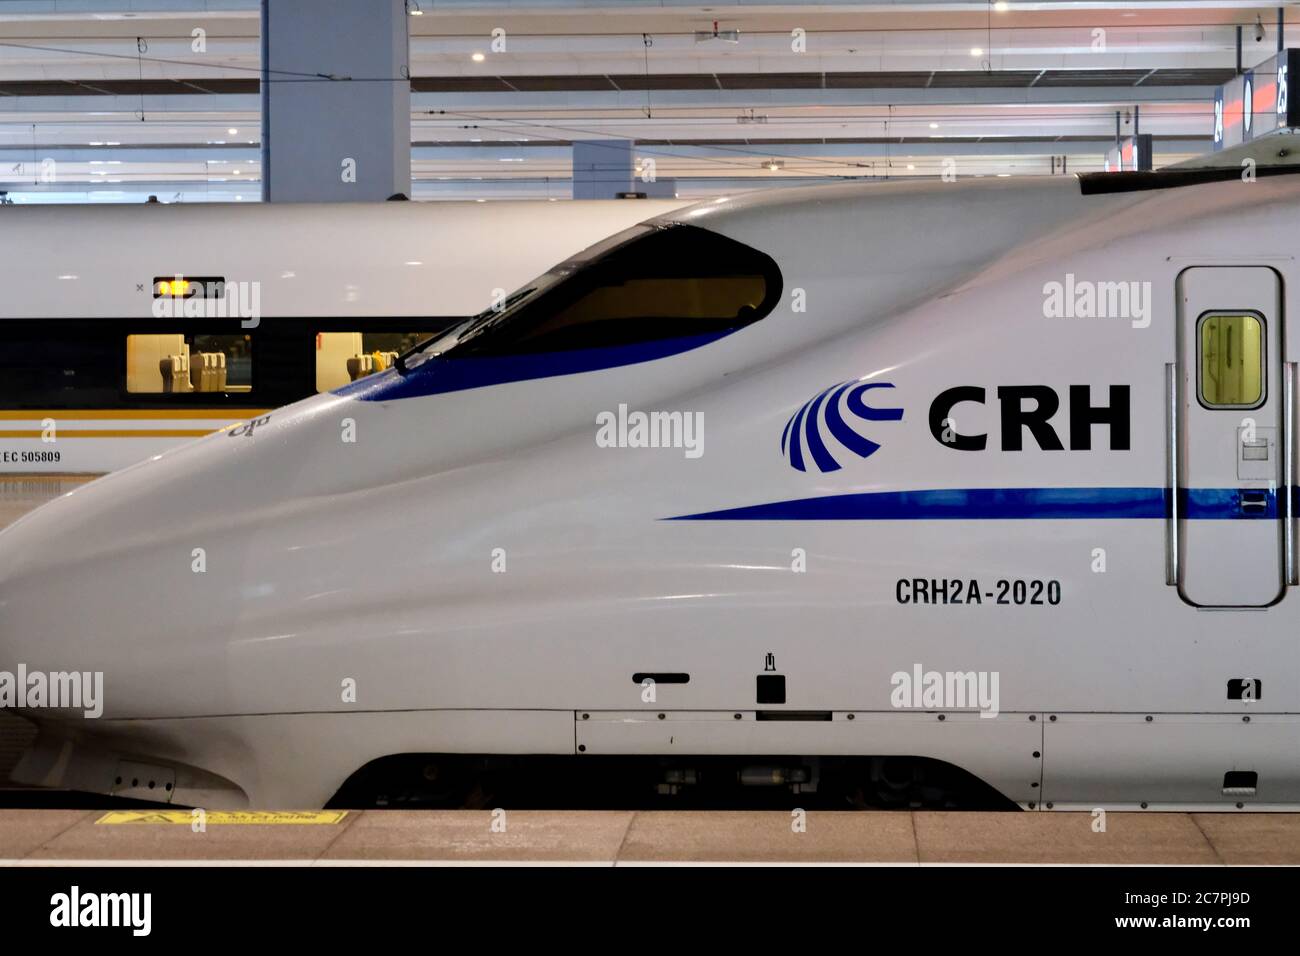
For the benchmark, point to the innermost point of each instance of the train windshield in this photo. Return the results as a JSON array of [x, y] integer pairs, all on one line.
[[649, 283]]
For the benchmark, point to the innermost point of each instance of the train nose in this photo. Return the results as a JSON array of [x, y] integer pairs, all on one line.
[[38, 586], [194, 583], [150, 570], [110, 576], [61, 589], [58, 668], [136, 583], [82, 628]]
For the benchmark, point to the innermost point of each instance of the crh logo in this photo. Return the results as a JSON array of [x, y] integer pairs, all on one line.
[[246, 428], [822, 418]]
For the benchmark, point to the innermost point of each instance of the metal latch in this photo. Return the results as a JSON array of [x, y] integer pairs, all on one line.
[[1257, 453]]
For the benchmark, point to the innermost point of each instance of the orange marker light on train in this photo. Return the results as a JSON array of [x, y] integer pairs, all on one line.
[[176, 288]]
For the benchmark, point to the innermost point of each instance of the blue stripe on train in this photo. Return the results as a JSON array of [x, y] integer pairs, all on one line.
[[438, 376], [973, 504]]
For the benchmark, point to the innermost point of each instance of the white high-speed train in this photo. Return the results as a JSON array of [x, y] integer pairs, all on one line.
[[95, 375], [995, 476]]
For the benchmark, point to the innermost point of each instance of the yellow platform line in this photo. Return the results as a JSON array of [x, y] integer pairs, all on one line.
[[129, 414], [228, 817], [113, 433]]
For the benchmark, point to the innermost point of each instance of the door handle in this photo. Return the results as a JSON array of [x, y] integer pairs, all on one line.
[[1254, 451], [1253, 502]]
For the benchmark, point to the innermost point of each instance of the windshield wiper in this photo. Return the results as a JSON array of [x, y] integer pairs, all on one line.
[[465, 330], [454, 333]]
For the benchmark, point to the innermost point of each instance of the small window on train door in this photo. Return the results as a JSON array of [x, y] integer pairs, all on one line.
[[179, 363], [343, 357], [1230, 359]]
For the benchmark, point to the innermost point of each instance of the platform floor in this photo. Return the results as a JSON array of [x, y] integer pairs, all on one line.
[[53, 837]]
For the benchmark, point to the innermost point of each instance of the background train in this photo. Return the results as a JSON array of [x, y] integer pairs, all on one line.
[[92, 379]]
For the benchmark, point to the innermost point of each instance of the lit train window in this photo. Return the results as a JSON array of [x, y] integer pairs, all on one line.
[[178, 363], [651, 283], [1231, 360], [343, 357]]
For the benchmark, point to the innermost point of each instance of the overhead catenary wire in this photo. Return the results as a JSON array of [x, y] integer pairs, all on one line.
[[511, 128], [645, 37], [503, 124], [975, 22], [652, 151]]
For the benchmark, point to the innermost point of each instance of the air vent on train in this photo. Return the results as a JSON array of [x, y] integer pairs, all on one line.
[[661, 677], [1240, 783], [1245, 688]]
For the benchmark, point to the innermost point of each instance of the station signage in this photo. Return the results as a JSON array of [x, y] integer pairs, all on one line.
[[1130, 154], [1257, 103]]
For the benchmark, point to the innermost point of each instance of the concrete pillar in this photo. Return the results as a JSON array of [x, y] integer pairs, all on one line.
[[602, 168], [342, 140]]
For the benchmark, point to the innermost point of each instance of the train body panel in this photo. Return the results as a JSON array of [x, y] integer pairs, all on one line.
[[944, 463]]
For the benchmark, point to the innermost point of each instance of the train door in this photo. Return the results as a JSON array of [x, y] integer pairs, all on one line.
[[1230, 506]]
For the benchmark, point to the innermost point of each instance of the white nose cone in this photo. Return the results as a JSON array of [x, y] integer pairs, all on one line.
[[125, 574]]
